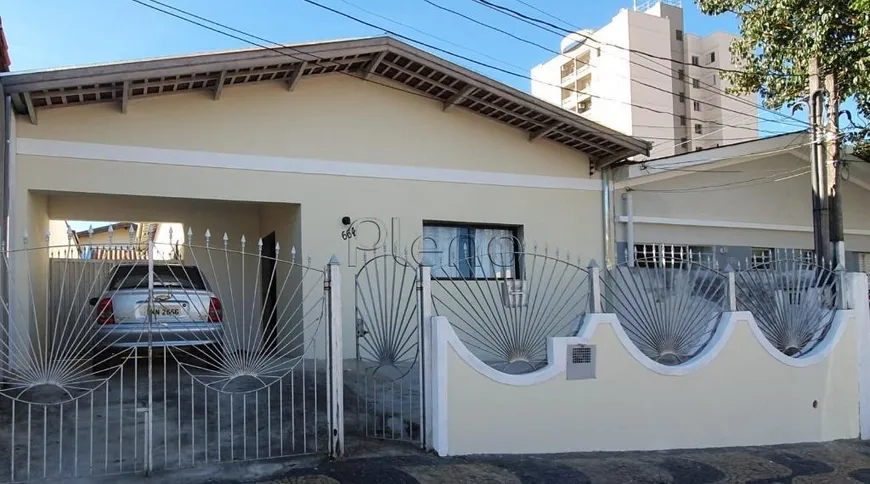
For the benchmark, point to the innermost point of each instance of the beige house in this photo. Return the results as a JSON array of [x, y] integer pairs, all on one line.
[[736, 203], [259, 142]]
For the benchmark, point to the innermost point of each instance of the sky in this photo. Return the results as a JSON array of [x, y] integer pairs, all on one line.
[[53, 33]]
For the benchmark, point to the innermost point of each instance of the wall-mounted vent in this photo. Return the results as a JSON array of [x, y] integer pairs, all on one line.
[[581, 362]]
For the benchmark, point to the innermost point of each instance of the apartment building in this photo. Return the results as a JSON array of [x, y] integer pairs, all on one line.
[[643, 75]]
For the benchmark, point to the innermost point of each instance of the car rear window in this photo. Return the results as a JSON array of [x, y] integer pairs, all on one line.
[[136, 277]]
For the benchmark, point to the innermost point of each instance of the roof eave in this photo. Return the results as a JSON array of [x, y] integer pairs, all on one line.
[[605, 146]]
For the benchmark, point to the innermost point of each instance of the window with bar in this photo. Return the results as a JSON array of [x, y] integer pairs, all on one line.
[[671, 256], [762, 258]]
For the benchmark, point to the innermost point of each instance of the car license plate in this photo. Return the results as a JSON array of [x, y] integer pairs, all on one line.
[[166, 311]]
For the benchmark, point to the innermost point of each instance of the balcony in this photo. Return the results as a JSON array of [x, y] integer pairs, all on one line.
[[576, 68]]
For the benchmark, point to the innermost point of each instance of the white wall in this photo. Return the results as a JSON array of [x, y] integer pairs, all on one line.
[[636, 404]]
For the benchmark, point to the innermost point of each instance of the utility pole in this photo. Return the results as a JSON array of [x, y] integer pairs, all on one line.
[[821, 224], [833, 171]]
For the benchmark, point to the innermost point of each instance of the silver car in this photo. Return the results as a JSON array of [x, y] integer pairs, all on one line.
[[184, 311]]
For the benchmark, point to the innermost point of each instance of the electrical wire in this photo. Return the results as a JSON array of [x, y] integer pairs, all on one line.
[[474, 61], [283, 46], [664, 166], [415, 29], [708, 87], [277, 50], [661, 145], [533, 20], [588, 63]]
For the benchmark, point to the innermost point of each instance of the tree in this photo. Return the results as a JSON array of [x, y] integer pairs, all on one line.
[[780, 37]]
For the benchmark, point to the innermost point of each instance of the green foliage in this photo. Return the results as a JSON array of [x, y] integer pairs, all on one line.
[[778, 39]]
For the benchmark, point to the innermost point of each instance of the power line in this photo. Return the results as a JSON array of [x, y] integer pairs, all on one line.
[[534, 20], [709, 87], [273, 49], [282, 46], [548, 49], [474, 61], [728, 186], [411, 27], [667, 164]]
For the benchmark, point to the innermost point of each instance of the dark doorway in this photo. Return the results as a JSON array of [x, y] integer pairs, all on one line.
[[270, 296]]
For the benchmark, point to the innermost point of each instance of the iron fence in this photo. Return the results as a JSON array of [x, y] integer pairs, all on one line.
[[118, 366]]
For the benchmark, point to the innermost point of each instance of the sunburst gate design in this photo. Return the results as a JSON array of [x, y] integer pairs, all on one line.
[[669, 311], [386, 312], [505, 305], [216, 347], [270, 311], [388, 383], [793, 300]]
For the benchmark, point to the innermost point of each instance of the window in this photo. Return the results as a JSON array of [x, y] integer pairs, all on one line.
[[584, 106], [682, 120], [696, 105], [712, 57], [682, 97], [762, 258], [699, 148], [681, 74], [698, 129], [136, 277], [863, 262], [807, 256], [598, 52], [679, 34], [714, 79], [684, 141], [671, 256], [466, 251], [695, 60], [696, 83]]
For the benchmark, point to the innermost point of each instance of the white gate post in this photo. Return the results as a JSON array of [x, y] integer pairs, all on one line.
[[594, 287], [335, 359], [424, 305], [149, 410], [731, 290]]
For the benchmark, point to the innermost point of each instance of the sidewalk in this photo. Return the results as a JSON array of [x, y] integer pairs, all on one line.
[[842, 461]]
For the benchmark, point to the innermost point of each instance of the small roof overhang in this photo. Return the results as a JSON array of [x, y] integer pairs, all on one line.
[[382, 57]]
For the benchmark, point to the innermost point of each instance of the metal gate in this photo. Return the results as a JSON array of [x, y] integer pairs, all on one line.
[[220, 352], [387, 387]]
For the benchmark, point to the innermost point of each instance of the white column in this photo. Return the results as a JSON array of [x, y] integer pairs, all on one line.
[[856, 294], [335, 361], [427, 391]]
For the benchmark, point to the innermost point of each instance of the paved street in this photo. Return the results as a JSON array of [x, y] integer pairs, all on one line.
[[843, 461]]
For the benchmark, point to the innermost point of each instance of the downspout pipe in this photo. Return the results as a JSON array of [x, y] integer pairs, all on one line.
[[628, 198], [608, 217], [5, 155]]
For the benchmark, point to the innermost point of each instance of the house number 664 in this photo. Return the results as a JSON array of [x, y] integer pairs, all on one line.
[[349, 233]]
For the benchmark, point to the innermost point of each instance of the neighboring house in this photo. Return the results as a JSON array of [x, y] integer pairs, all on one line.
[[118, 241], [744, 202], [284, 146], [619, 76]]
